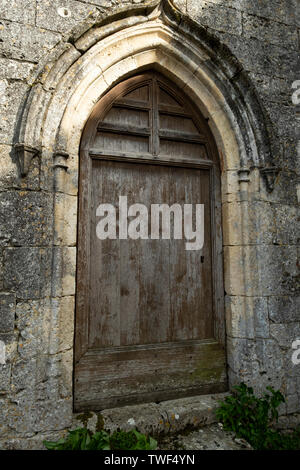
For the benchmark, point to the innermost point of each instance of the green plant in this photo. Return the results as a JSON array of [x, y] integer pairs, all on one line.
[[251, 418], [83, 439]]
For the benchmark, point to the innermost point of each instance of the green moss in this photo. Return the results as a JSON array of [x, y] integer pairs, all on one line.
[[100, 422], [84, 417]]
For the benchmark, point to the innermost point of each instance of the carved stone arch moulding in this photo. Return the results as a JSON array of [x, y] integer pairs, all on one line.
[[110, 48]]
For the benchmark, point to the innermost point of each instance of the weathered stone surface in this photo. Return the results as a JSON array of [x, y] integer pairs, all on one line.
[[270, 31], [53, 416], [167, 417], [33, 322], [259, 218], [12, 96], [285, 189], [271, 88], [257, 362], [62, 328], [64, 262], [32, 443], [65, 232], [293, 402], [282, 117], [15, 69], [284, 11], [25, 42], [270, 270], [8, 168], [4, 378], [285, 334], [215, 16], [25, 218], [247, 317], [290, 147], [211, 437], [7, 312], [61, 16], [27, 271], [12, 10], [284, 309], [287, 225], [260, 57], [23, 374]]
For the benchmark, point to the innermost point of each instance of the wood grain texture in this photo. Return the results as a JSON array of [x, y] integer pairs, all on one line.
[[119, 376]]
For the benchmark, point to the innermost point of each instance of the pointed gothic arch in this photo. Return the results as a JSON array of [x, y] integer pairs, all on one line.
[[87, 66]]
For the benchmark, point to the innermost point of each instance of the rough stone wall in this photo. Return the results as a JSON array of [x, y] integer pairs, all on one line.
[[264, 36]]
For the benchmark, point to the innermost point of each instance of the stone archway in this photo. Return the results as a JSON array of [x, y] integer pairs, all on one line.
[[160, 37]]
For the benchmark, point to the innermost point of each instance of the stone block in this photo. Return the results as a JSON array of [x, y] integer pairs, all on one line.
[[34, 325], [282, 117], [7, 312], [51, 416], [216, 16], [26, 42], [62, 15], [14, 11], [258, 363], [62, 327], [247, 317], [256, 216], [287, 224], [273, 89], [282, 11], [285, 188], [1, 270], [252, 55], [27, 271], [261, 270], [12, 97], [270, 31], [23, 375], [293, 403], [8, 168], [65, 382], [285, 11], [14, 69], [284, 309], [25, 218], [5, 370], [285, 334], [65, 271], [65, 231]]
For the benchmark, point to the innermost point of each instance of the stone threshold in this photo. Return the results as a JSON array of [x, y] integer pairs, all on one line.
[[156, 419]]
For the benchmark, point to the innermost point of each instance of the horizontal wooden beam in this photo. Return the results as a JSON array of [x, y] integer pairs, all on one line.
[[125, 130], [98, 154]]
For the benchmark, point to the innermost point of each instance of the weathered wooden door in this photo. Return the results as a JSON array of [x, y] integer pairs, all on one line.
[[149, 318]]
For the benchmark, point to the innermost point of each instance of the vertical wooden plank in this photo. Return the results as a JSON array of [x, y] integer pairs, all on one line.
[[179, 276], [154, 264], [83, 257], [129, 262], [104, 327], [207, 267]]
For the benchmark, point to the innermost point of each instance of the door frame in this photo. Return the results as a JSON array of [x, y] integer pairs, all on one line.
[[87, 155]]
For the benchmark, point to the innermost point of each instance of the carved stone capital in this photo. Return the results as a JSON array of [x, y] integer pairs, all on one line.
[[25, 154], [244, 175], [270, 174], [60, 158]]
